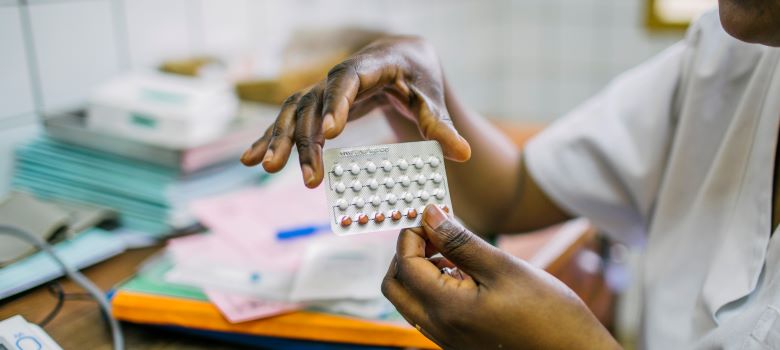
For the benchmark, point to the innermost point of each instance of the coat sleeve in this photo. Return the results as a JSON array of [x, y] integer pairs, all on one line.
[[605, 160]]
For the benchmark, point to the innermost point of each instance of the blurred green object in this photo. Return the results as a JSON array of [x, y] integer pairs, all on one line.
[[151, 280]]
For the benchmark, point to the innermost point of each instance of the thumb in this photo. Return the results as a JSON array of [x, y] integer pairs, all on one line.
[[463, 248], [435, 124]]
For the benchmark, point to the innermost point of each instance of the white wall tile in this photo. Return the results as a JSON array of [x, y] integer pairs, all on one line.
[[567, 49], [15, 89], [157, 30], [225, 26], [75, 47]]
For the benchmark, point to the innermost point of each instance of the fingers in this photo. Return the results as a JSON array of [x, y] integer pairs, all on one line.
[[466, 250], [422, 277], [407, 305], [299, 123], [274, 147], [435, 124], [342, 89], [411, 308], [281, 143], [255, 153], [414, 270], [441, 262], [309, 138], [362, 74]]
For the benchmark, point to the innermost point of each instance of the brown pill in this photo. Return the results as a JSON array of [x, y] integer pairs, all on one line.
[[412, 213], [379, 217], [346, 221], [362, 219], [445, 208], [396, 215]]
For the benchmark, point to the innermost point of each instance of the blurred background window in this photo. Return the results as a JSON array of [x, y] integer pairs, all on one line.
[[676, 13]]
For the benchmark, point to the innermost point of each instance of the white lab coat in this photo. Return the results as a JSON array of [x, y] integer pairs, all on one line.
[[678, 154]]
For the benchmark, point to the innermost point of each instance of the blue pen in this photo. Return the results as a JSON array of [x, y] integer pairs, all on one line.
[[301, 231]]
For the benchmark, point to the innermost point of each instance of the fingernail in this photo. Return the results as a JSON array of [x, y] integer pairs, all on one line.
[[269, 155], [308, 174], [328, 123], [434, 216], [245, 155]]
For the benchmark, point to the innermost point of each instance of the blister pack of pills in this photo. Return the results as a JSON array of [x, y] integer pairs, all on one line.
[[384, 187]]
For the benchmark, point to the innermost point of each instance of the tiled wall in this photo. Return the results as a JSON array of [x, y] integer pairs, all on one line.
[[521, 59], [525, 59]]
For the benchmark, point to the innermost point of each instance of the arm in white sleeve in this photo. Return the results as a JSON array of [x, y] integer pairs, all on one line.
[[605, 160]]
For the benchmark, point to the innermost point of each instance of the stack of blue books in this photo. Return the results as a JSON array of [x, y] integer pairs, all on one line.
[[150, 198]]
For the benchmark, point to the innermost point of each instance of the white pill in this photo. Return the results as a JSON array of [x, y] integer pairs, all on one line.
[[372, 184], [357, 186], [375, 200], [402, 164], [358, 202], [387, 166], [389, 182], [338, 170], [433, 161], [391, 198], [436, 178], [407, 197], [370, 167], [342, 204], [354, 169], [340, 187], [439, 193], [418, 163], [421, 179], [423, 195], [404, 180]]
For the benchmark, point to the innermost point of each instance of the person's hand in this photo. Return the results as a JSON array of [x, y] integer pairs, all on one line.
[[400, 75], [494, 301]]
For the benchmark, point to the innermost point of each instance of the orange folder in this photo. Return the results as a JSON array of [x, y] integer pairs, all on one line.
[[304, 325]]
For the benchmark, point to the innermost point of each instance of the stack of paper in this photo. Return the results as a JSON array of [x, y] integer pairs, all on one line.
[[249, 270], [150, 198], [247, 277], [148, 298]]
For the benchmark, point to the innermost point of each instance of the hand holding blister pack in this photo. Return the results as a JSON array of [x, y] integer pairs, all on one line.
[[384, 187]]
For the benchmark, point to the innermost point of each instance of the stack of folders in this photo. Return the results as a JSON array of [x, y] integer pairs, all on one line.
[[151, 187], [150, 198]]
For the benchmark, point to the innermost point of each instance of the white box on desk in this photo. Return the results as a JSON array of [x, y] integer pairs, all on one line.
[[163, 109]]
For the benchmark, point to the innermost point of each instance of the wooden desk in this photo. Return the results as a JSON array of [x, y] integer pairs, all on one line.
[[79, 324]]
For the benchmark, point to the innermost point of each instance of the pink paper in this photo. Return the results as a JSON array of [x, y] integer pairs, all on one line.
[[238, 308], [244, 226], [260, 212], [246, 222], [243, 240]]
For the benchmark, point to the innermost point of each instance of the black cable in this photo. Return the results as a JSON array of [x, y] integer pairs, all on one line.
[[56, 290], [76, 276]]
